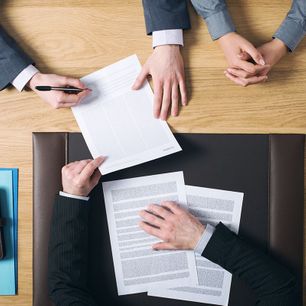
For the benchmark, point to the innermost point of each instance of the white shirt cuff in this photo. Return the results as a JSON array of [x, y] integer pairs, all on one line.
[[202, 243], [68, 195], [24, 77], [168, 37]]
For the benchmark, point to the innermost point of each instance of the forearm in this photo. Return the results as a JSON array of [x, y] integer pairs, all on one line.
[[13, 60], [68, 253], [293, 28], [271, 282], [216, 16], [165, 15]]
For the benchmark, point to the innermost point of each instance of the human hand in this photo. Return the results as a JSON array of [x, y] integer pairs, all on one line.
[[233, 45], [80, 177], [178, 229], [272, 52], [57, 99], [166, 67]]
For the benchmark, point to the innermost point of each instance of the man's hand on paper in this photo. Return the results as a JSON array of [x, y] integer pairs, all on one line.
[[272, 52], [166, 67], [233, 45], [178, 229], [57, 99], [80, 177]]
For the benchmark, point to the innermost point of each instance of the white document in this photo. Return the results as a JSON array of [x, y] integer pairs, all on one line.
[[118, 122], [137, 266], [210, 206]]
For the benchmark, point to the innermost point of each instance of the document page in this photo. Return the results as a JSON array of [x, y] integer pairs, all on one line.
[[118, 122], [137, 266], [210, 206]]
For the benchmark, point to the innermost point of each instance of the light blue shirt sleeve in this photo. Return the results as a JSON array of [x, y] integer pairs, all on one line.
[[216, 16], [293, 28], [202, 243]]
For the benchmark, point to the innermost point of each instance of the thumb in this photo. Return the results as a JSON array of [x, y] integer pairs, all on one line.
[[163, 246], [255, 54], [140, 79]]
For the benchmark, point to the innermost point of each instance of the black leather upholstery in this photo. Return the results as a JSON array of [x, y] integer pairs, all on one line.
[[267, 168]]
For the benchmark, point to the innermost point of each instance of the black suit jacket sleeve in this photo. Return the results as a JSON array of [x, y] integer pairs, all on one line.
[[68, 253], [272, 283], [165, 15], [12, 59]]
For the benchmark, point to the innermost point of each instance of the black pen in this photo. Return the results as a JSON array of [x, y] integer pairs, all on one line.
[[70, 89]]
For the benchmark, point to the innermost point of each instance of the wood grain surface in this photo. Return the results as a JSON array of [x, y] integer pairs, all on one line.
[[78, 37]]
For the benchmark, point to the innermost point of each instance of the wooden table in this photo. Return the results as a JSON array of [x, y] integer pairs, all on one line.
[[77, 37]]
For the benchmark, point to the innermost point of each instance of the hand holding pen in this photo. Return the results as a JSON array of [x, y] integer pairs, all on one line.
[[59, 91]]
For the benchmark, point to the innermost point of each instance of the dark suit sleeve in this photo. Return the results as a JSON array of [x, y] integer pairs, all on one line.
[[12, 59], [68, 253], [165, 15], [273, 284]]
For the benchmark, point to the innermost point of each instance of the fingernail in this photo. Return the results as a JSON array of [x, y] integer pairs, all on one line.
[[262, 62]]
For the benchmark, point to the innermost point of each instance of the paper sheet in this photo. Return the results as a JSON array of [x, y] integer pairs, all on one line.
[[118, 122], [210, 206], [137, 267]]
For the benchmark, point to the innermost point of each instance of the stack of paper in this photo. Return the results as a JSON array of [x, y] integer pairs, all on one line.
[[118, 122], [9, 212], [170, 274]]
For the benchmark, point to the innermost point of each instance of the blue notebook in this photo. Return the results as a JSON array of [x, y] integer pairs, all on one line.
[[9, 211]]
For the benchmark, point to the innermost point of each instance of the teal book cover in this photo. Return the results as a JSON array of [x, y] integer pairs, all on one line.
[[9, 212]]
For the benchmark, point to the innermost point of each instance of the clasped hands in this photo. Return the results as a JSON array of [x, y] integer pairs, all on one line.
[[248, 65]]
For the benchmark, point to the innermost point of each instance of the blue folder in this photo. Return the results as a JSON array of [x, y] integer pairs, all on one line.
[[9, 211]]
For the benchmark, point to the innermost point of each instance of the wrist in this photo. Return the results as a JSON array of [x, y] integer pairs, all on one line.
[[198, 236], [280, 46], [34, 81], [227, 36], [167, 48]]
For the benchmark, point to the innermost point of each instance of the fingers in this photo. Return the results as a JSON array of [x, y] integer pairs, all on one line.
[[244, 74], [66, 81], [173, 207], [247, 66], [183, 91], [64, 100], [166, 101], [175, 100], [141, 78], [90, 168], [150, 218], [245, 82], [254, 53], [150, 229], [158, 97], [244, 56], [159, 211], [96, 177], [163, 246], [78, 166]]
